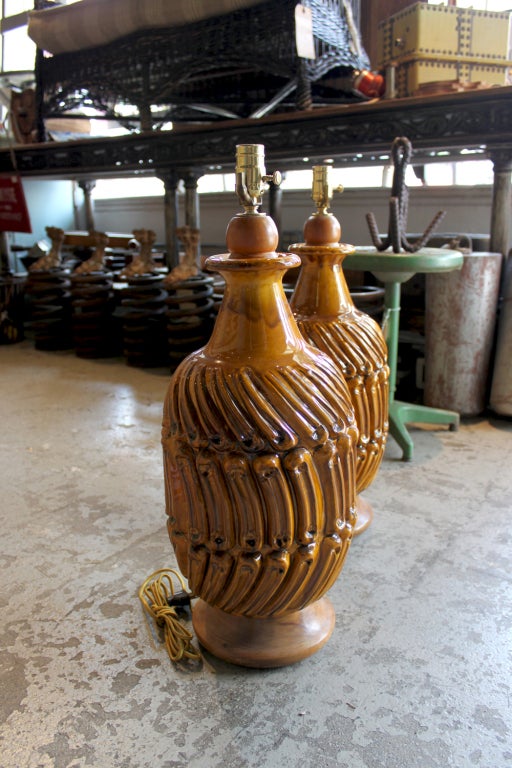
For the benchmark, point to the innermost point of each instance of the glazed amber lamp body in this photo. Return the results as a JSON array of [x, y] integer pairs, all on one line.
[[327, 318], [259, 445]]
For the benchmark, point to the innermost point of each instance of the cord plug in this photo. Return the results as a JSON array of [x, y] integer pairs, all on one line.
[[180, 600]]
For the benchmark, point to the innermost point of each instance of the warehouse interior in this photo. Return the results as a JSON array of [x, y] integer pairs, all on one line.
[[123, 182]]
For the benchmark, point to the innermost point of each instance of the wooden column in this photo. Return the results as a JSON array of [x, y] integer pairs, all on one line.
[[87, 186], [5, 254], [170, 179], [192, 212], [501, 211], [275, 200]]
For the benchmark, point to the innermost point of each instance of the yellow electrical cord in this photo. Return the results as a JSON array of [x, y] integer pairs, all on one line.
[[154, 594]]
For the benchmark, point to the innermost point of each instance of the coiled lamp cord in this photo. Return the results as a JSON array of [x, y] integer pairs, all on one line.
[[157, 595]]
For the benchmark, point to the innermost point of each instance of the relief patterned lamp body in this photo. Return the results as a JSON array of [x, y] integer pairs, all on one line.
[[327, 318], [259, 442]]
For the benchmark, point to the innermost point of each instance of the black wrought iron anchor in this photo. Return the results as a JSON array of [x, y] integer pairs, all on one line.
[[401, 153]]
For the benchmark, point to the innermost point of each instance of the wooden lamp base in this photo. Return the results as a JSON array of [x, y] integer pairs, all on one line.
[[264, 643], [364, 515]]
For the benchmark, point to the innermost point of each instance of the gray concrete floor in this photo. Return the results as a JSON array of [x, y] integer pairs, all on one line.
[[416, 675]]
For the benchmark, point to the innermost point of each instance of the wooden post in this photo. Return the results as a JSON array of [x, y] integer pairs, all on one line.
[[5, 254], [275, 199], [501, 201], [87, 186], [192, 211], [170, 179]]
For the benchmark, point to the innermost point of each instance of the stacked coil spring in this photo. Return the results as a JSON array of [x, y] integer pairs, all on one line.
[[190, 316], [93, 304], [142, 311], [50, 297]]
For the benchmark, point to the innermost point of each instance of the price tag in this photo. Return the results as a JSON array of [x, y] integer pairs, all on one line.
[[304, 32]]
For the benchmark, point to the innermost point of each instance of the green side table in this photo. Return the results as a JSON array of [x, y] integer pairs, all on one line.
[[393, 269]]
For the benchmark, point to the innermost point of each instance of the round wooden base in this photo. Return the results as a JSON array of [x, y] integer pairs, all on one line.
[[364, 515], [264, 643]]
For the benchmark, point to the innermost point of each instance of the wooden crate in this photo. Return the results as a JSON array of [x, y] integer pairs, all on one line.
[[430, 43]]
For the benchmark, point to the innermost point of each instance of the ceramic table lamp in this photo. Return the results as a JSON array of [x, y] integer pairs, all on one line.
[[259, 442], [327, 318]]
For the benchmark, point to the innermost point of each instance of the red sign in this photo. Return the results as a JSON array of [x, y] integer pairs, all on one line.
[[13, 208]]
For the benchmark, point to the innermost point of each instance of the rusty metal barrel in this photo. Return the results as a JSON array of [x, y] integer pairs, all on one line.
[[460, 321]]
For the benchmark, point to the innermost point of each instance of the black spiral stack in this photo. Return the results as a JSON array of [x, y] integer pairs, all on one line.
[[49, 295], [142, 309], [190, 315], [369, 299], [12, 308], [93, 304]]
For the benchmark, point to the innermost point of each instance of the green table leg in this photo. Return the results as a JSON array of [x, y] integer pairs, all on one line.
[[401, 413], [391, 327]]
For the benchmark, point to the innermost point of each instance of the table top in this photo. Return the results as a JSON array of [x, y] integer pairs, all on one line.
[[392, 267], [346, 133]]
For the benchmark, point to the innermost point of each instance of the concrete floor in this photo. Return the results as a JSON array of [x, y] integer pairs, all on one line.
[[416, 675]]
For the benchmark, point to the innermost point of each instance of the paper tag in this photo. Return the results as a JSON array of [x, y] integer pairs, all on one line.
[[304, 32]]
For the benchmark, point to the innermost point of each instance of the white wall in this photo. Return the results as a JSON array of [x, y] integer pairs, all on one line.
[[468, 210], [52, 202], [49, 203]]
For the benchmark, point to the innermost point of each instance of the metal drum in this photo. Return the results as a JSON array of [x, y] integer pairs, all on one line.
[[460, 321]]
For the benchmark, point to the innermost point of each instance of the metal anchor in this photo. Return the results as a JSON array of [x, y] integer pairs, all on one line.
[[401, 152]]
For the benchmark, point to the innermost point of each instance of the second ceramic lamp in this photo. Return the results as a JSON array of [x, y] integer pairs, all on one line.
[[328, 319]]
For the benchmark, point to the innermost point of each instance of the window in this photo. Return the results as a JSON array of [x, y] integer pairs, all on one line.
[[12, 7], [436, 174], [140, 186], [18, 50]]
